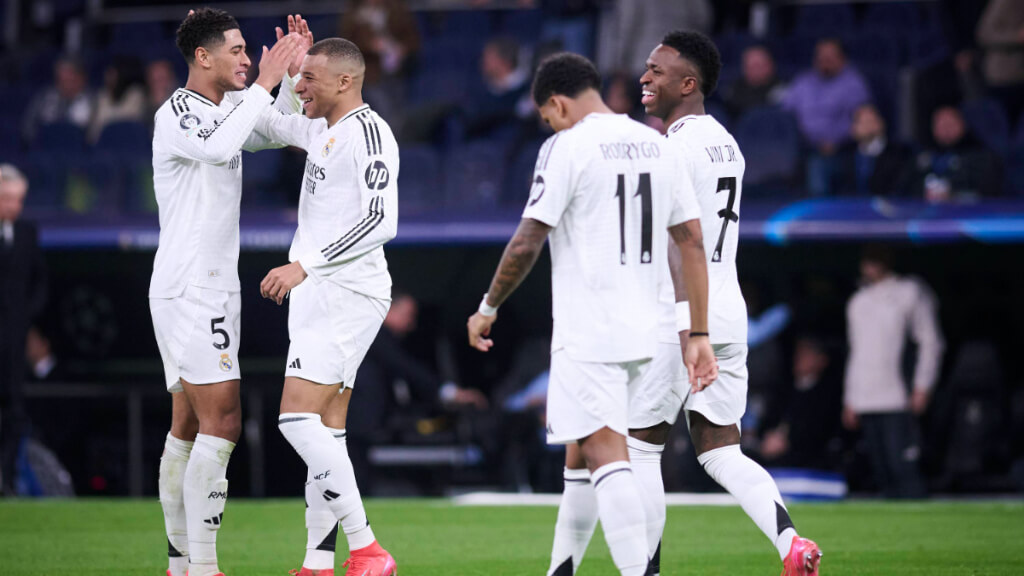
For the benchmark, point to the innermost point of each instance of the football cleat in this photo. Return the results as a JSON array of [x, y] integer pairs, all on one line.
[[370, 561], [310, 572], [803, 558]]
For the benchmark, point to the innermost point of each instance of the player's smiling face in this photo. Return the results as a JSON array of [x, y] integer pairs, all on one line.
[[663, 81], [229, 61], [318, 89]]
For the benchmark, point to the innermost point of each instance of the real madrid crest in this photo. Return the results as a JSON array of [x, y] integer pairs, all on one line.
[[225, 363], [327, 148]]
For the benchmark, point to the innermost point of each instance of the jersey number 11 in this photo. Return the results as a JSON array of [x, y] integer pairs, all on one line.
[[646, 211]]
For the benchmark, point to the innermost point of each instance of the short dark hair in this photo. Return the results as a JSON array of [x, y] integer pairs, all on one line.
[[338, 48], [565, 74], [205, 27], [700, 50], [506, 48], [834, 40]]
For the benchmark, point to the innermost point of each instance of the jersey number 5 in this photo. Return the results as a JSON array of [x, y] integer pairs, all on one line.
[[646, 212], [726, 213]]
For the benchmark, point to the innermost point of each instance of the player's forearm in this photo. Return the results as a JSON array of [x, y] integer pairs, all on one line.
[[520, 255], [675, 267], [379, 226], [219, 144], [287, 101], [693, 271]]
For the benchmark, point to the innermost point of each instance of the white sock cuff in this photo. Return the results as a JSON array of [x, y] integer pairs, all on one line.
[[289, 417], [601, 474], [338, 433], [177, 447], [215, 448], [717, 453], [576, 476], [640, 451]]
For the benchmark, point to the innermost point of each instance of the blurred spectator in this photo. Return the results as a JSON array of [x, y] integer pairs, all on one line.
[[389, 378], [804, 418], [622, 94], [823, 100], [880, 316], [161, 82], [22, 296], [42, 363], [628, 30], [958, 164], [758, 86], [123, 97], [1001, 36], [495, 101], [68, 100], [386, 33], [870, 164]]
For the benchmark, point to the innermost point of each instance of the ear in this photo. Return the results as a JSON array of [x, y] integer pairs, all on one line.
[[688, 86], [561, 109], [202, 57], [344, 82]]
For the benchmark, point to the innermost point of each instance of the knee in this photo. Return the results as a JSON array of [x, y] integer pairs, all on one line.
[[226, 424]]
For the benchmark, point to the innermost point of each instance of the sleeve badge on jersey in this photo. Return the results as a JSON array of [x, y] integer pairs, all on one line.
[[188, 121], [377, 176], [327, 148], [537, 190]]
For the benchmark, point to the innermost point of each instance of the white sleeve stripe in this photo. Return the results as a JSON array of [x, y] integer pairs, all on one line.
[[376, 212], [359, 231]]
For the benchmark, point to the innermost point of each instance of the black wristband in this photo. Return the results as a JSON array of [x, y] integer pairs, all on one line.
[[692, 334]]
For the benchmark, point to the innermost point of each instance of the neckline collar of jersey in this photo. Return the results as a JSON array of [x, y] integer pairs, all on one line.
[[198, 96], [679, 123], [352, 113]]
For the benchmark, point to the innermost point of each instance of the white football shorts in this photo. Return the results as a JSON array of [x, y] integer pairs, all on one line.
[[198, 334], [330, 328], [584, 397], [666, 388]]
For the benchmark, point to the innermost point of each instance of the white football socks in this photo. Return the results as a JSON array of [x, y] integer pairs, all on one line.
[[171, 483], [622, 516], [756, 491], [321, 525], [645, 459], [577, 518], [205, 493], [332, 473]]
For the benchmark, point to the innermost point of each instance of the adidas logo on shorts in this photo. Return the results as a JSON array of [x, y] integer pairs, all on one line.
[[296, 364]]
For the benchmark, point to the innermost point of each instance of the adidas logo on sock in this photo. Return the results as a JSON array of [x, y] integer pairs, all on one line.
[[330, 495], [215, 521], [296, 364]]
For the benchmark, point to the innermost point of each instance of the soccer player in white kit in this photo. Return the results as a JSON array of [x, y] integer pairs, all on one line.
[[605, 188], [681, 72], [198, 139], [348, 210]]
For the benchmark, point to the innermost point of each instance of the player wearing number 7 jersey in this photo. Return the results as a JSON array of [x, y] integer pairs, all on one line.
[[605, 189], [681, 72]]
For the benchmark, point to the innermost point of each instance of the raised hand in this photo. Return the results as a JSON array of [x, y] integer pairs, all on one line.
[[275, 61], [298, 27]]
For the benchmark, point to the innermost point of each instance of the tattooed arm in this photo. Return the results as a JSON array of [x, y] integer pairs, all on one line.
[[517, 261]]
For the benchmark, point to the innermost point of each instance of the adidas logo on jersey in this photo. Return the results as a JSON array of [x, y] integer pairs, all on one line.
[[296, 364]]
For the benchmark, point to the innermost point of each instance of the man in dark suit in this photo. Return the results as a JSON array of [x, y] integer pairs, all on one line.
[[870, 164], [22, 296]]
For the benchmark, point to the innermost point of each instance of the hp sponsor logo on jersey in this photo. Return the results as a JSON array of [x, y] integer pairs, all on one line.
[[377, 176]]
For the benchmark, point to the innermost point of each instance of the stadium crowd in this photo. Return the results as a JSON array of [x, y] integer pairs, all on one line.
[[918, 101]]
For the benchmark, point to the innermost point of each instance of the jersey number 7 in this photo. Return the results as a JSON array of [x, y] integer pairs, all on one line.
[[726, 213]]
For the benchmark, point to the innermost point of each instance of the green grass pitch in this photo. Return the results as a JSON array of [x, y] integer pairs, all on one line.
[[432, 537]]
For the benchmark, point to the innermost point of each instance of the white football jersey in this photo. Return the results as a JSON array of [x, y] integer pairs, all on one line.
[[715, 164], [610, 187], [348, 206], [197, 177]]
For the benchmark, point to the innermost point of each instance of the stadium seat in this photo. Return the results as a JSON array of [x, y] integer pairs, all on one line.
[[261, 173], [926, 48], [1015, 170], [474, 174], [60, 137], [987, 120], [869, 50], [125, 137], [520, 173], [525, 25], [884, 84], [419, 179], [717, 110], [770, 143], [821, 20], [894, 17]]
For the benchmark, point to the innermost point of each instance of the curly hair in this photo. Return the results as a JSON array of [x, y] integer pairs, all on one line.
[[565, 74], [700, 50], [205, 27]]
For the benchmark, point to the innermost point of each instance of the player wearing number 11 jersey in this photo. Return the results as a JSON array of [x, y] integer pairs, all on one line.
[[681, 72], [605, 190]]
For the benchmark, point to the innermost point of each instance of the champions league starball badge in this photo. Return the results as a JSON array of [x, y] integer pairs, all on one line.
[[188, 121]]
